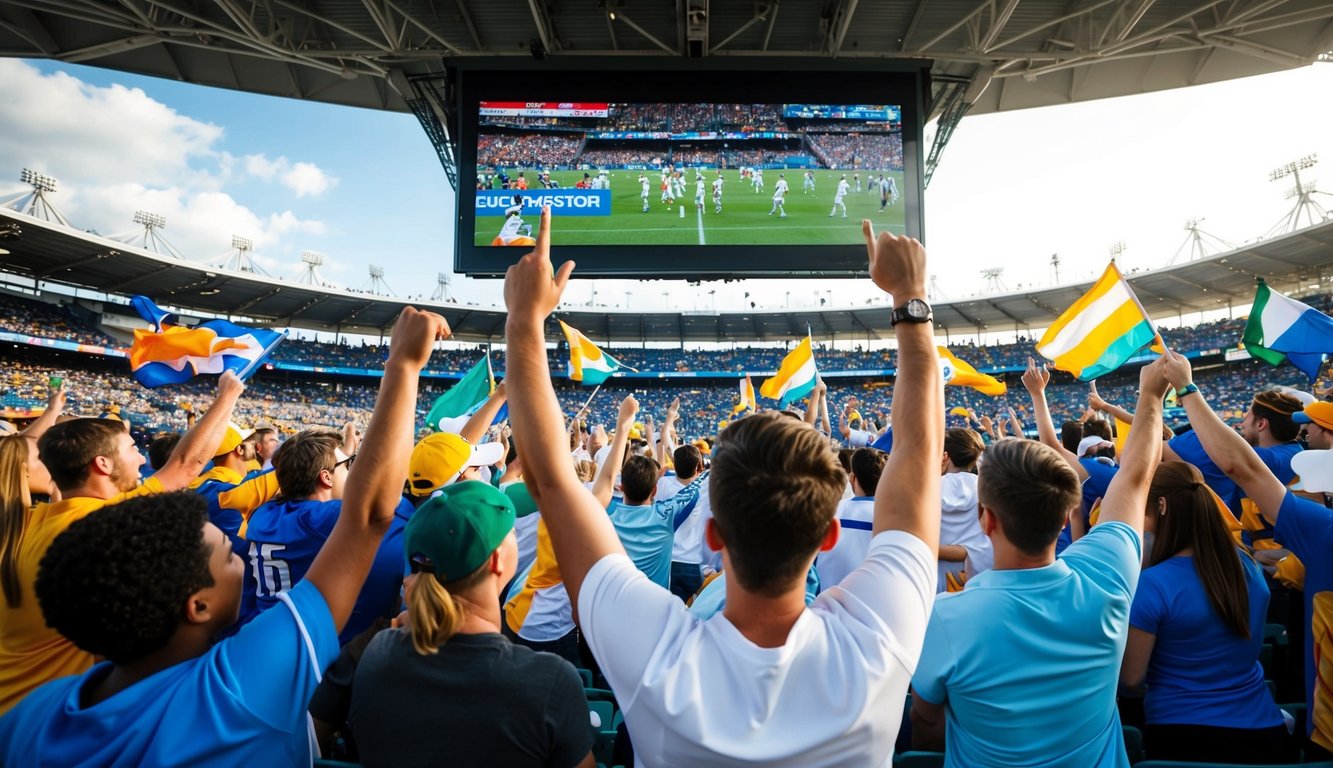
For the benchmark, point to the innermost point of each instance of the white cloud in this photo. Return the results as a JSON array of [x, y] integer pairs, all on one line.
[[116, 150], [300, 177]]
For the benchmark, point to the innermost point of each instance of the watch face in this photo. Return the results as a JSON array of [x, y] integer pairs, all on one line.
[[917, 309]]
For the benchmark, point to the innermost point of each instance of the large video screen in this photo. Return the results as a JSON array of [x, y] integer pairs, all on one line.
[[688, 183], [687, 174]]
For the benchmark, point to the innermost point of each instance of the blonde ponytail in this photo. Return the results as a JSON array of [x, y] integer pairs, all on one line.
[[434, 614]]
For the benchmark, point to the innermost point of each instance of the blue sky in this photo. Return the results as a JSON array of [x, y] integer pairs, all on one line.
[[365, 187]]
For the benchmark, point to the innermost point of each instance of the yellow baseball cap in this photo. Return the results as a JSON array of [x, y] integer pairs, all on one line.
[[233, 437], [440, 457]]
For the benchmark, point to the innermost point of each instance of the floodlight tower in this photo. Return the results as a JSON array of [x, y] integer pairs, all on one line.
[[994, 280], [242, 257], [1118, 249], [152, 239], [1304, 195], [36, 203], [1055, 268], [933, 291], [1199, 242], [313, 260], [441, 287], [376, 283]]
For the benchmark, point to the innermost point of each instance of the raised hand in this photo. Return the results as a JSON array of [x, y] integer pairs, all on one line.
[[897, 264], [628, 407], [414, 335], [1153, 376], [1036, 377], [532, 286], [229, 385], [1095, 401], [1176, 368]]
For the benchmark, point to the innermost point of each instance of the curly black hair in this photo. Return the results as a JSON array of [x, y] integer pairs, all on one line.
[[115, 583]]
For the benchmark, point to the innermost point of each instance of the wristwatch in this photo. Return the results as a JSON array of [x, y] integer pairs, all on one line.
[[1188, 389], [914, 311]]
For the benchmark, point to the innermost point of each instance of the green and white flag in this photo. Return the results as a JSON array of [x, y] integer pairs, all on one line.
[[1281, 328]]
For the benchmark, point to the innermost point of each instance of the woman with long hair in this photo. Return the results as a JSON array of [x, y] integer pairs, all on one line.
[[15, 506], [448, 686], [1196, 627]]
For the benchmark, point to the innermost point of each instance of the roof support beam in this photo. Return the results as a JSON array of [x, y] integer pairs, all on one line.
[[258, 300], [545, 30]]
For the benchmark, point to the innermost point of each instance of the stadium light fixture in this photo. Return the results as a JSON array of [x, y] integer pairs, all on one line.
[[1294, 167], [242, 243], [150, 220], [376, 272], [39, 182], [313, 258], [1118, 248]]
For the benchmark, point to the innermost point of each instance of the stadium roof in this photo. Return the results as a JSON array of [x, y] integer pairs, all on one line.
[[359, 52], [51, 253]]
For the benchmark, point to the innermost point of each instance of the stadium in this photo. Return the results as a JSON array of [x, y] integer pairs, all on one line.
[[664, 589]]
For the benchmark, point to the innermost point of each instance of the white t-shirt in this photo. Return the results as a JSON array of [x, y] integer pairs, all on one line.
[[842, 189], [688, 546], [860, 438], [831, 696], [780, 189], [959, 526], [856, 516]]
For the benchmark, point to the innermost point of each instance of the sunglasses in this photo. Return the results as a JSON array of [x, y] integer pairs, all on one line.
[[347, 462]]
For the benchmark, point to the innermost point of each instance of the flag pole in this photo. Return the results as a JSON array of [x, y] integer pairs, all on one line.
[[595, 390]]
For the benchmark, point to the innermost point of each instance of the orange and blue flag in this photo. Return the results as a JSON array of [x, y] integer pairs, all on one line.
[[171, 353]]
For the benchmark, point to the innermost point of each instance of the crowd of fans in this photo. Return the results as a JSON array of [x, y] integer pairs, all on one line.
[[529, 150], [599, 155], [39, 318], [858, 150]]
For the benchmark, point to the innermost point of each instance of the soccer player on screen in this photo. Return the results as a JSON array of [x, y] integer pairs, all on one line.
[[843, 186], [856, 179], [717, 193], [699, 192], [758, 176], [809, 183], [645, 186], [888, 192], [514, 231], [779, 195]]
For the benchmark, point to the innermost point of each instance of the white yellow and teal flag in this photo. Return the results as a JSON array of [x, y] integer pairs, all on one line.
[[588, 364], [795, 377], [747, 400], [1101, 331], [1281, 328]]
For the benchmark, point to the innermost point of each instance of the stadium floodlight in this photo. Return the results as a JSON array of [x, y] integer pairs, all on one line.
[[376, 272], [1294, 167], [312, 258], [39, 182], [1303, 189], [242, 243], [150, 220], [1118, 248], [1193, 224]]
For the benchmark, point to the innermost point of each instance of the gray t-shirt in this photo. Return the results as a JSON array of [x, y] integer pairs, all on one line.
[[481, 700]]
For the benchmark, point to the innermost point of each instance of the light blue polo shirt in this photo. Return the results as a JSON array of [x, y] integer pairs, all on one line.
[[241, 703], [648, 531], [1027, 662]]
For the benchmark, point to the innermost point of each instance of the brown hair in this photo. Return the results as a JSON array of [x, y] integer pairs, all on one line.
[[867, 466], [1276, 408], [638, 477], [434, 615], [688, 460], [964, 447], [299, 460], [1096, 428], [1070, 433], [69, 447], [1192, 521], [15, 502], [775, 487], [1031, 489]]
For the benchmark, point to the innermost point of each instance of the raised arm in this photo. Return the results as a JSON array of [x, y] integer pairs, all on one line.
[[1035, 379], [581, 532], [908, 495], [1014, 423], [1096, 403], [479, 422], [816, 396], [200, 444], [55, 405], [666, 445], [1128, 493], [602, 486], [375, 483], [1224, 446]]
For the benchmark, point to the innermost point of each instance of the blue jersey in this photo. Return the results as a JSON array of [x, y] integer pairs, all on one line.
[[243, 702], [284, 536], [1277, 458], [647, 531]]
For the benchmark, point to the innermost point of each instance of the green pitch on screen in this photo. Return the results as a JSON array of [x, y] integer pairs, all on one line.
[[744, 219]]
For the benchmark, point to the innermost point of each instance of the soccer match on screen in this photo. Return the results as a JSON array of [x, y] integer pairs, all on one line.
[[687, 174]]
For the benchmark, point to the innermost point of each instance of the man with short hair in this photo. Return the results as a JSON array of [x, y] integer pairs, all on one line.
[[93, 462], [856, 516], [150, 583], [1036, 641], [785, 685], [1316, 421], [1268, 427], [687, 545], [266, 444]]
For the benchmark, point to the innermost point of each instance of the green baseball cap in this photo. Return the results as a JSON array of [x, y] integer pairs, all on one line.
[[519, 494], [452, 534]]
